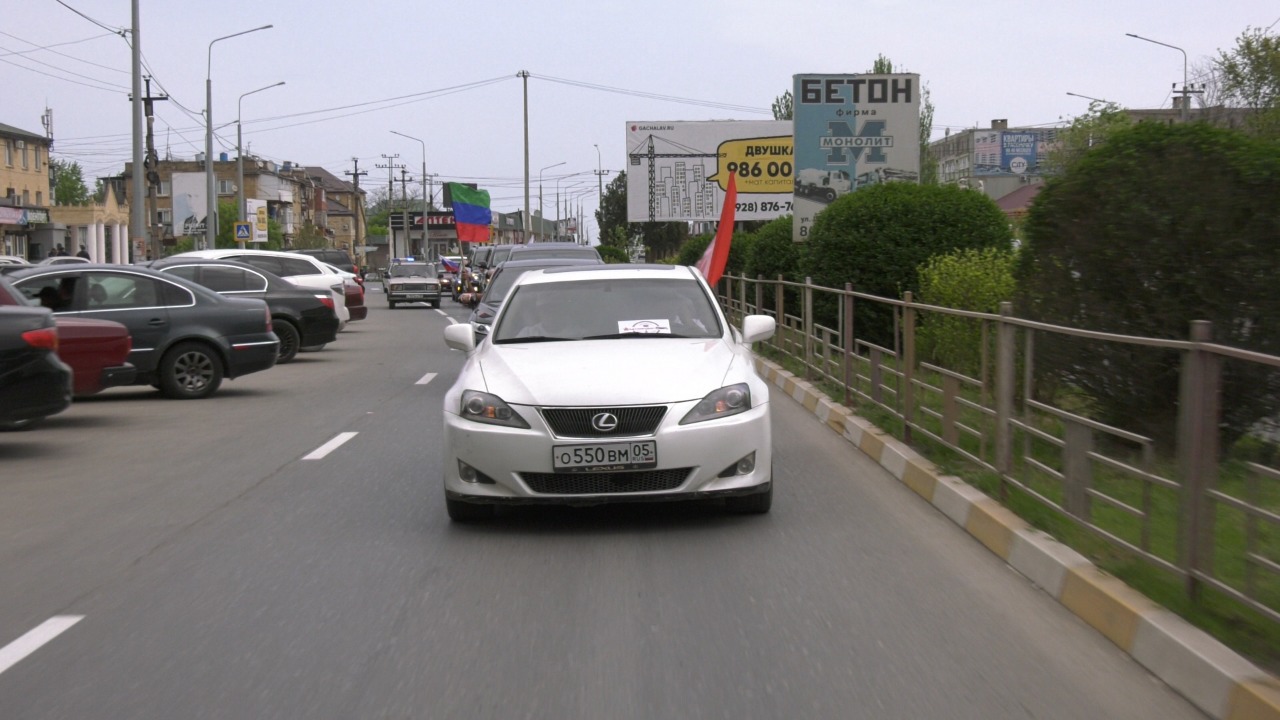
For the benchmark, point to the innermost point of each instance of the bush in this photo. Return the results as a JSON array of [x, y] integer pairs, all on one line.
[[692, 249], [1162, 225], [739, 247], [977, 280], [876, 238], [613, 255], [774, 252]]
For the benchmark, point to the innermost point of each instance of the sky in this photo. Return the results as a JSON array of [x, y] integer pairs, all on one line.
[[446, 73]]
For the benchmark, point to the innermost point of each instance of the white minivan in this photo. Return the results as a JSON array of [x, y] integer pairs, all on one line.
[[302, 270]]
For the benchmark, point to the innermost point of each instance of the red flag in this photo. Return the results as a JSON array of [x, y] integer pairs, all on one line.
[[717, 255]]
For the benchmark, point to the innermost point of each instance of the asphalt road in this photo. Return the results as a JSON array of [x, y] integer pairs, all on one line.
[[221, 574]]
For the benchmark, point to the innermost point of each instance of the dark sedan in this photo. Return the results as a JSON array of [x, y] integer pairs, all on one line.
[[301, 317], [186, 337], [486, 307], [34, 383]]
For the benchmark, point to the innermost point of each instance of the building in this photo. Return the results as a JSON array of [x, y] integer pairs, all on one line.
[[342, 212], [25, 182], [101, 226]]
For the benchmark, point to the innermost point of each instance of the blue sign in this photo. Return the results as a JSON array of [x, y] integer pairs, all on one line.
[[244, 232]]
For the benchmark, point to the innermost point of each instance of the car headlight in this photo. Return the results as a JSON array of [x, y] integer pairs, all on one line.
[[487, 408], [728, 400]]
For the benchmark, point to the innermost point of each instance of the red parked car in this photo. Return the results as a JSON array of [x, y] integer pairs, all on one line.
[[354, 293], [97, 350]]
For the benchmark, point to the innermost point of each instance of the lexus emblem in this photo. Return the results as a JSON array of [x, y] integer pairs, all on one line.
[[604, 422]]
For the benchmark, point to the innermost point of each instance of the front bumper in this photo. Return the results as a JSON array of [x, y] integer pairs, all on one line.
[[703, 450]]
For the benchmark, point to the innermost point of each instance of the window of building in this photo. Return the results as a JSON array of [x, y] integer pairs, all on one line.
[[26, 160], [163, 190], [26, 197], [8, 152], [165, 216], [39, 199], [226, 187], [37, 154]]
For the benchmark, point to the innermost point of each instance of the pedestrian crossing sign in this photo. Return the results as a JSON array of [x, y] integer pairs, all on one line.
[[244, 232]]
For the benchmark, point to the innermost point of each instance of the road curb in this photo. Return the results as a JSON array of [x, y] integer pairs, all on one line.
[[1209, 674]]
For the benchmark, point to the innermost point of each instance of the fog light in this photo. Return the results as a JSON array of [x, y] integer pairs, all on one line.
[[466, 472], [747, 464]]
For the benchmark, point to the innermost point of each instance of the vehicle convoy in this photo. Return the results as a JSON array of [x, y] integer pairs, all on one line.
[[825, 185], [186, 337], [663, 402], [485, 306], [412, 282], [34, 382]]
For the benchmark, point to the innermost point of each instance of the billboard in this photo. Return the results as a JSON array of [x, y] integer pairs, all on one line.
[[1005, 152], [852, 131], [679, 171], [256, 212], [189, 203]]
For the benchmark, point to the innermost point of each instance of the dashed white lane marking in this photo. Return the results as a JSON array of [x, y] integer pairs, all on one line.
[[426, 379], [15, 651], [330, 446], [442, 312]]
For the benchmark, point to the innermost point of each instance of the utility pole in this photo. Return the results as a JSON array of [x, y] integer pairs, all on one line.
[[137, 224], [391, 168], [358, 206], [153, 177], [528, 222], [430, 187], [404, 210]]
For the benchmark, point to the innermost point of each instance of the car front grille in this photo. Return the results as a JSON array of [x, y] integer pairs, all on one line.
[[417, 287], [606, 483], [632, 421]]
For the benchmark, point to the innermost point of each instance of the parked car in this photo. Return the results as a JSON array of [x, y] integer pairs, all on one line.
[[486, 305], [34, 383], [186, 337], [608, 383], [7, 268], [300, 317], [64, 260], [410, 282], [340, 259], [352, 294], [97, 350], [12, 260], [301, 270], [536, 251]]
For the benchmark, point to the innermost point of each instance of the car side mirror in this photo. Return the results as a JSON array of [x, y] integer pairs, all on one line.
[[460, 337], [757, 327]]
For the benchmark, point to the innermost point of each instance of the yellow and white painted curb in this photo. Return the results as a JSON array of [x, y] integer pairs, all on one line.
[[1206, 672]]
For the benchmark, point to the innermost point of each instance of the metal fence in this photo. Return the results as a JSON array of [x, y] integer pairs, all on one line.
[[1183, 510]]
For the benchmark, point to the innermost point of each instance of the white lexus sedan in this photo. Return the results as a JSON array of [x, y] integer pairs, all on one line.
[[608, 383]]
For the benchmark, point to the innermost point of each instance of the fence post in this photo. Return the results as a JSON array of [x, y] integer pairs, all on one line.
[[1006, 339], [1077, 469], [849, 346], [760, 294], [742, 299], [806, 323], [779, 296], [908, 365], [1198, 415]]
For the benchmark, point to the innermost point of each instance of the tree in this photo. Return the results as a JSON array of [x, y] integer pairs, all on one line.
[[1159, 226], [612, 254], [660, 239], [1086, 131], [774, 252], [1250, 77], [977, 280], [612, 213], [68, 183], [875, 238], [783, 106]]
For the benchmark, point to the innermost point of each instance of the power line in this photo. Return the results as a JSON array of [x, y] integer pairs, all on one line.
[[38, 48], [655, 96]]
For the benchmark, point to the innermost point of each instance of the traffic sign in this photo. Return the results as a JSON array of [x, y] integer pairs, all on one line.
[[244, 232]]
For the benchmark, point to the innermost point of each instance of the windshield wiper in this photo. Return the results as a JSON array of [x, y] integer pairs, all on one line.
[[533, 339], [611, 336]]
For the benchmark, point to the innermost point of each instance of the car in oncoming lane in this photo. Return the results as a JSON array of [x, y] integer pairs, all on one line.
[[186, 337], [608, 383], [300, 317]]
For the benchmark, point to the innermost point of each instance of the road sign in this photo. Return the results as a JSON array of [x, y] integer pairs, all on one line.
[[244, 232]]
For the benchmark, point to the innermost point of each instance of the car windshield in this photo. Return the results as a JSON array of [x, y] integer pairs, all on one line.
[[502, 282], [608, 308], [413, 270]]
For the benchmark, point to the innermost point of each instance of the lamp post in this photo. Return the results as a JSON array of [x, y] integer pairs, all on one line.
[[426, 242], [600, 173], [558, 180], [1094, 99], [1186, 111], [541, 216], [240, 154], [211, 201]]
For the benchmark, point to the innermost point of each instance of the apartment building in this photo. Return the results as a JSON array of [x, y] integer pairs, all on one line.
[[25, 193]]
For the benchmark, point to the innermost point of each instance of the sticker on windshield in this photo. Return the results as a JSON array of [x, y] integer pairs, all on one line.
[[644, 327]]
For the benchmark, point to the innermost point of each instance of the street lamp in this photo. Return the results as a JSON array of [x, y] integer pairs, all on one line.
[[1186, 111], [426, 244], [558, 180], [600, 173], [240, 153], [540, 215], [211, 201], [1094, 99]]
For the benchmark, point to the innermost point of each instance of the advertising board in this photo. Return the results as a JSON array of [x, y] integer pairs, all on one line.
[[679, 171], [852, 131], [189, 205], [256, 211], [1005, 152]]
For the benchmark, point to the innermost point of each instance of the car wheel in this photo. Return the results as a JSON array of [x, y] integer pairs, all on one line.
[[17, 425], [435, 303], [313, 348], [463, 511], [391, 304], [754, 504], [190, 371], [289, 341]]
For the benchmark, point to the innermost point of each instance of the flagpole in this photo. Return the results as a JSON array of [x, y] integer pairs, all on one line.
[[528, 222]]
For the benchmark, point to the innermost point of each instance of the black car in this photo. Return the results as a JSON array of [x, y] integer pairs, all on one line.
[[503, 278], [337, 258], [34, 383], [544, 250], [186, 337], [300, 317]]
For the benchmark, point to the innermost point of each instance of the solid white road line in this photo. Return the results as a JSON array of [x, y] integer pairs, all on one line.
[[15, 651], [442, 312], [426, 379], [330, 446]]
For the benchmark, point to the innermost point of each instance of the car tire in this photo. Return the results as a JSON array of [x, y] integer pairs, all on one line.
[[290, 340], [829, 195], [753, 504], [435, 303], [391, 304], [190, 371], [19, 425], [462, 511], [313, 348]]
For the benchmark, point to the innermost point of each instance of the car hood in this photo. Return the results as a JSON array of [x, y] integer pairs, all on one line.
[[608, 372]]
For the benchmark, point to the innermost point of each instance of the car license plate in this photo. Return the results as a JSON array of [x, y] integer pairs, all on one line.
[[633, 455], [414, 297]]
